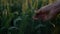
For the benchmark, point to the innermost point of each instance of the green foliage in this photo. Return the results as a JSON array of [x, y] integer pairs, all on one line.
[[16, 17]]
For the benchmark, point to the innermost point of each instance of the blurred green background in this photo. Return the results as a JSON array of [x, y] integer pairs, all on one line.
[[16, 17]]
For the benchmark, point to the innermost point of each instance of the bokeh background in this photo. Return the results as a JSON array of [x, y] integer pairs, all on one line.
[[16, 17]]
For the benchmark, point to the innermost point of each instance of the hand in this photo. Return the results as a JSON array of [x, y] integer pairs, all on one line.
[[47, 12]]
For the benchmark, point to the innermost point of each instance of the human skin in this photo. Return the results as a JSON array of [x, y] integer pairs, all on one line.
[[47, 12]]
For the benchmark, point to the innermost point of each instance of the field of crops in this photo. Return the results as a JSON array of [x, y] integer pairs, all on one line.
[[16, 17]]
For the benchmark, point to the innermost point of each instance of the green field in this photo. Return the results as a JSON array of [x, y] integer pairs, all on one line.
[[16, 17]]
